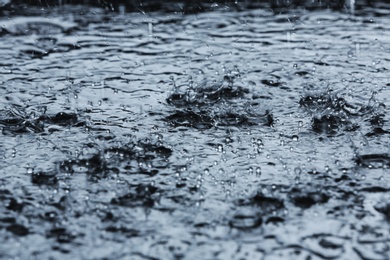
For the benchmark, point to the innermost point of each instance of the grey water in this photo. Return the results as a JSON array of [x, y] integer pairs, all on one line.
[[233, 133]]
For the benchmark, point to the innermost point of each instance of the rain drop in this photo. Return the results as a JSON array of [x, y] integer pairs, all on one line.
[[258, 171], [297, 171]]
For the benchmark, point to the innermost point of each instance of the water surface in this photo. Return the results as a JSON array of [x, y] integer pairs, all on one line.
[[226, 134]]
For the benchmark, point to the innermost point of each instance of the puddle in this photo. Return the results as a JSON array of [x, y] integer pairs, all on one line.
[[218, 131]]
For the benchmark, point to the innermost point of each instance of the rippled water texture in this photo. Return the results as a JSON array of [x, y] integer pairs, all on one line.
[[226, 134]]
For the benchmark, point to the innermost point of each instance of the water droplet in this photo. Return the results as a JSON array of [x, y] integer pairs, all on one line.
[[250, 170], [295, 138], [228, 140], [30, 170], [258, 171], [206, 171]]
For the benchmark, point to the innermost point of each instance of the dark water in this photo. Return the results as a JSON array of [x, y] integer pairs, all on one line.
[[226, 134]]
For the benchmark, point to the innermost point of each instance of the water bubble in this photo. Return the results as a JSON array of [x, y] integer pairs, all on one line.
[[30, 170], [295, 138]]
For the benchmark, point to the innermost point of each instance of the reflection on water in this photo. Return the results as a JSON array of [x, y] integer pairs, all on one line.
[[243, 133]]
